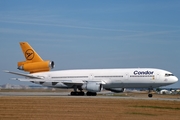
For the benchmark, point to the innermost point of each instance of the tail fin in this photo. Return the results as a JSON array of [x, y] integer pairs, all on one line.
[[33, 63], [29, 53]]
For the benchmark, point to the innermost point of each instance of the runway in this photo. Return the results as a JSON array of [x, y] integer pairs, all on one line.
[[104, 96]]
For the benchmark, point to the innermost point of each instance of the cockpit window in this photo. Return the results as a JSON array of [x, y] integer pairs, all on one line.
[[167, 75]]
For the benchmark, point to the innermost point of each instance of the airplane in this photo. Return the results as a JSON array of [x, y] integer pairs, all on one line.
[[90, 80]]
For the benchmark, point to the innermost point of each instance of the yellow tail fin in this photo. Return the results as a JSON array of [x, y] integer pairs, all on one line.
[[29, 53], [33, 63]]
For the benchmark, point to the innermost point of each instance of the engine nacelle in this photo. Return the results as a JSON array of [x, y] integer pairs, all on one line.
[[33, 67], [92, 86], [116, 90]]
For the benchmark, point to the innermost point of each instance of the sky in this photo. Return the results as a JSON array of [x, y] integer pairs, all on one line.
[[79, 34]]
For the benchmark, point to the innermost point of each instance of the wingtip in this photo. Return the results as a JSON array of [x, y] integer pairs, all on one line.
[[14, 78]]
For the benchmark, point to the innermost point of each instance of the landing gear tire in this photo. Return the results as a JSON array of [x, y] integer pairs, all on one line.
[[150, 95], [77, 93], [91, 93], [81, 93]]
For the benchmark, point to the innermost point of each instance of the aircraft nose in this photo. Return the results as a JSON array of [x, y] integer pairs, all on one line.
[[174, 79]]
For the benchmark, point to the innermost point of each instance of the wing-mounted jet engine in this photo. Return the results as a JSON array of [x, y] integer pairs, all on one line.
[[116, 90]]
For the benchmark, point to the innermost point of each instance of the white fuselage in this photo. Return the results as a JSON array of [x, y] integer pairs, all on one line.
[[110, 78]]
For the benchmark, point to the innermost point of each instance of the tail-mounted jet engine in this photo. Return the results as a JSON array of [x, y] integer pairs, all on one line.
[[33, 67]]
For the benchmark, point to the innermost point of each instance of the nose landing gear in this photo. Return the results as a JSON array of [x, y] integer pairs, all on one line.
[[150, 95]]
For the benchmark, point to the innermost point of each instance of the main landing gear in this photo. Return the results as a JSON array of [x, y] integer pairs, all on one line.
[[76, 93], [91, 93], [81, 93]]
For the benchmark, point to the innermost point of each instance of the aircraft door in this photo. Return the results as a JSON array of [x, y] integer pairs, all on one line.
[[157, 77], [91, 77], [126, 76]]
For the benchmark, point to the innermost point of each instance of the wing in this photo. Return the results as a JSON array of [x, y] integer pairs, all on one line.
[[30, 77], [24, 75]]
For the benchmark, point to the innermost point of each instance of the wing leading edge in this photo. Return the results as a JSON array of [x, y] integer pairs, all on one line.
[[24, 75]]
